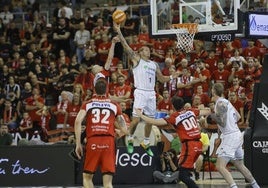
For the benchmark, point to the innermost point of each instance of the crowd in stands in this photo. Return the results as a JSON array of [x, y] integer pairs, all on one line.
[[46, 69]]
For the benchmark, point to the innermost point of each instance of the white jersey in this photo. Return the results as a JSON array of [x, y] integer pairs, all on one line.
[[145, 75], [230, 117]]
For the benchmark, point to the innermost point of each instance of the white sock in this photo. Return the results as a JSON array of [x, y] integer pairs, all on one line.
[[254, 184], [233, 186], [130, 137], [146, 140]]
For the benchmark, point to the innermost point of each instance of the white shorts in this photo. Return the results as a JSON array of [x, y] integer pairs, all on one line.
[[231, 146], [145, 100]]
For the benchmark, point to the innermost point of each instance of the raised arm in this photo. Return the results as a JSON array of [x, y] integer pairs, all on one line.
[[133, 56], [111, 53]]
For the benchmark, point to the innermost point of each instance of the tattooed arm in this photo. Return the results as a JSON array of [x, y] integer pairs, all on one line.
[[132, 55], [220, 114]]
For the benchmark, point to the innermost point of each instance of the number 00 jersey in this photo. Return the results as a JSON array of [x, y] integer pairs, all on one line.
[[185, 123], [101, 115]]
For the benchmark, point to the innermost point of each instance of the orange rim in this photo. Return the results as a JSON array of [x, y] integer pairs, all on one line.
[[191, 27]]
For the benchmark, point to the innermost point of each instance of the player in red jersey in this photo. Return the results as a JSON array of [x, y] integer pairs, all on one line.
[[102, 115], [186, 126]]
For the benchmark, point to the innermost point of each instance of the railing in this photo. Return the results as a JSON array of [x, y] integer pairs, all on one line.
[[19, 18]]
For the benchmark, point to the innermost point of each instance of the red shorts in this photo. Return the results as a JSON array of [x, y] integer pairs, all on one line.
[[100, 152], [190, 151]]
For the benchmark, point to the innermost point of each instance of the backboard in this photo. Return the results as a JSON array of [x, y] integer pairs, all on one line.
[[213, 16]]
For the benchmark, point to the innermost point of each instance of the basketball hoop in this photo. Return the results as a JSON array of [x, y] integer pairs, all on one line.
[[185, 35]]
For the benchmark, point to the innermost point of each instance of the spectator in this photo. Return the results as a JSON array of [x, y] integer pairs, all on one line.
[[26, 125], [89, 58], [61, 37], [237, 72], [44, 43], [45, 117], [202, 77], [185, 85], [34, 103], [73, 109], [60, 110], [220, 75], [103, 49], [251, 50], [13, 34], [169, 168], [238, 58], [165, 105], [85, 78], [205, 99], [239, 106], [12, 89], [66, 80], [74, 65], [6, 16], [212, 61], [122, 93], [81, 40], [78, 88], [21, 73], [9, 115], [6, 138], [63, 7], [90, 19], [252, 74]]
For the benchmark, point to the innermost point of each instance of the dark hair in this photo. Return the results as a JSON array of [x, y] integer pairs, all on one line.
[[177, 102], [100, 87]]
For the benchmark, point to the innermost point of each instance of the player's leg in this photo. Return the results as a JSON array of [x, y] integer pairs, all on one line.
[[149, 110], [107, 180], [87, 180], [138, 103], [239, 164], [221, 167]]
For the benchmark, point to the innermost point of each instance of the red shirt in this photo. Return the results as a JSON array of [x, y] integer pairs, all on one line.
[[186, 125], [221, 77], [121, 91], [72, 113], [101, 115], [164, 105]]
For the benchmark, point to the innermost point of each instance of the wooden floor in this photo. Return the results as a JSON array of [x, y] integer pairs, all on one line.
[[216, 182]]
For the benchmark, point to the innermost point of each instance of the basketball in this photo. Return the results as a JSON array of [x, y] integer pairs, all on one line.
[[119, 16]]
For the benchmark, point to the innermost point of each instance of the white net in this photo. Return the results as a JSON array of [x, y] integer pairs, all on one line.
[[185, 36]]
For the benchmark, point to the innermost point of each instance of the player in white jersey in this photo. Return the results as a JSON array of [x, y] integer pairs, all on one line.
[[145, 72], [230, 149]]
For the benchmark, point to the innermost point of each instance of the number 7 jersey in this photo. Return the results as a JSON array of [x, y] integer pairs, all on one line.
[[101, 116], [186, 125]]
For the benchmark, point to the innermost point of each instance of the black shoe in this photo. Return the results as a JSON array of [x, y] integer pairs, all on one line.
[[196, 174]]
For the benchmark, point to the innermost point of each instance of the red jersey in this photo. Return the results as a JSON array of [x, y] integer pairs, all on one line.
[[221, 77], [72, 110], [101, 115], [33, 102], [186, 125], [121, 91], [26, 122], [103, 46], [164, 105]]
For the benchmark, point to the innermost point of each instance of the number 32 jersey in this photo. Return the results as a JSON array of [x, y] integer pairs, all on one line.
[[186, 125], [101, 116]]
